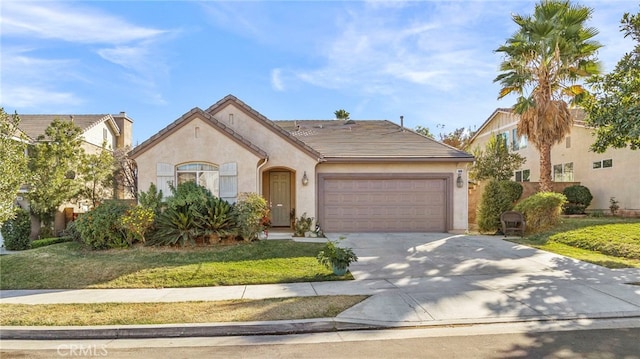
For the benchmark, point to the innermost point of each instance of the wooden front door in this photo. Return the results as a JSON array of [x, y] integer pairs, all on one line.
[[280, 201]]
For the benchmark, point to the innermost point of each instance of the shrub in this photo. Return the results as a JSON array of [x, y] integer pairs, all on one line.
[[151, 199], [578, 199], [16, 231], [71, 232], [513, 190], [249, 212], [176, 226], [541, 210], [216, 218], [613, 205], [302, 225], [495, 200], [136, 222], [101, 227], [49, 241], [190, 195]]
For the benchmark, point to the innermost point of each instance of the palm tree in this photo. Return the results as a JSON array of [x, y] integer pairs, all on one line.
[[543, 62], [341, 114]]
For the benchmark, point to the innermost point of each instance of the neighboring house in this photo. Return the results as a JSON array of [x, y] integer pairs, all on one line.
[[114, 130], [614, 173], [353, 176]]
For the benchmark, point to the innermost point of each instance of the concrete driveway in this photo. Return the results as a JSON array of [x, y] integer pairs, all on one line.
[[430, 278]]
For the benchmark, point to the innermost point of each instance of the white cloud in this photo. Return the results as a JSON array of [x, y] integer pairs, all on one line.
[[276, 80], [52, 20], [38, 97]]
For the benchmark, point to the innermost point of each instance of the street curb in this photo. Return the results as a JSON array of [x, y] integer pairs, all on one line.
[[181, 331]]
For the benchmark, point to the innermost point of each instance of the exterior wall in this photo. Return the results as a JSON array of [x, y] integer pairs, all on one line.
[[183, 146], [619, 181], [95, 135], [460, 205], [282, 154]]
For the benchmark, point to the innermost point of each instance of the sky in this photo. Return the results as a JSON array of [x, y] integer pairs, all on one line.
[[432, 62]]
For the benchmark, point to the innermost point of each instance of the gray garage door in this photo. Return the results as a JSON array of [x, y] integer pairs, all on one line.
[[383, 204]]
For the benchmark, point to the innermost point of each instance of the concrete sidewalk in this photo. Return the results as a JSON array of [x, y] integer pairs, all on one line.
[[414, 279]]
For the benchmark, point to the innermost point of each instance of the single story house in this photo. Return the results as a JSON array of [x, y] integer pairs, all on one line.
[[613, 173], [351, 176]]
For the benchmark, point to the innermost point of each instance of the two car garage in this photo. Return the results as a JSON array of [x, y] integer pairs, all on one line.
[[385, 202]]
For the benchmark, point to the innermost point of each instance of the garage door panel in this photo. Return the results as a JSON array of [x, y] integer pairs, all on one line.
[[388, 204]]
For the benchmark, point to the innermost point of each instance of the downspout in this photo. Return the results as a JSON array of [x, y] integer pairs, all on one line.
[[259, 177]]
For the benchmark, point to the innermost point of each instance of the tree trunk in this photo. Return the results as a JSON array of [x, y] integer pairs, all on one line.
[[35, 227], [545, 168]]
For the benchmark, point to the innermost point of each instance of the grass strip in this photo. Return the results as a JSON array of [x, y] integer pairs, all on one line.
[[620, 240], [177, 312]]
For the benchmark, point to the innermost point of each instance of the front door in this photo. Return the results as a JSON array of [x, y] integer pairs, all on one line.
[[280, 201]]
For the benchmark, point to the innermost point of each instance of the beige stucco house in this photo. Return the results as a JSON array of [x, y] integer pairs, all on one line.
[[351, 176], [614, 173]]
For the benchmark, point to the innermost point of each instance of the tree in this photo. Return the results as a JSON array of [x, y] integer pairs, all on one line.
[[614, 108], [97, 171], [13, 163], [341, 114], [459, 138], [53, 161], [424, 131], [543, 60], [495, 161], [126, 173]]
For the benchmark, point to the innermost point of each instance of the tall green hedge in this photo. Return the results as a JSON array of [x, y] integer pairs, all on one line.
[[495, 200], [16, 231]]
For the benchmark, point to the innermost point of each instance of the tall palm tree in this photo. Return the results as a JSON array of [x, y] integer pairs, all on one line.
[[543, 63]]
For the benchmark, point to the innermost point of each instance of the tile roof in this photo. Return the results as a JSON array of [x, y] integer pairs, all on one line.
[[35, 125], [369, 139]]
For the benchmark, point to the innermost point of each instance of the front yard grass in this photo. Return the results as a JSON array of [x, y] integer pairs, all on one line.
[[69, 266], [611, 242], [179, 312]]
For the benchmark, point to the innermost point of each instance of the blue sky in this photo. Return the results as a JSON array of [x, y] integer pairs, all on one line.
[[430, 61]]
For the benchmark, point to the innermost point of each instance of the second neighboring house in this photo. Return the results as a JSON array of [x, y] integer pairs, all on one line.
[[613, 173], [351, 176], [114, 130]]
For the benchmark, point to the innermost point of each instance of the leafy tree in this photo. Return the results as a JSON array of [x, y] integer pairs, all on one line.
[[341, 114], [53, 162], [495, 161], [543, 60], [614, 109], [13, 163], [459, 138], [424, 131], [97, 170]]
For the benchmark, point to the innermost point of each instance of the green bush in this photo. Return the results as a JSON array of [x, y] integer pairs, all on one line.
[[513, 190], [16, 231], [151, 199], [541, 210], [578, 199], [620, 240], [190, 195], [136, 222], [216, 218], [49, 241], [101, 227], [249, 212], [302, 225], [175, 226], [495, 200]]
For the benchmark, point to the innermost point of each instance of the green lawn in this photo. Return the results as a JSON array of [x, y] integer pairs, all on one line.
[[67, 265], [607, 241]]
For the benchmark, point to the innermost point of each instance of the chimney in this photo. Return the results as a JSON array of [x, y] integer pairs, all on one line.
[[402, 122]]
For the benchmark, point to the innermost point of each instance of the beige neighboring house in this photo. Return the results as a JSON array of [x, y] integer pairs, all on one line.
[[353, 176], [614, 173], [114, 130]]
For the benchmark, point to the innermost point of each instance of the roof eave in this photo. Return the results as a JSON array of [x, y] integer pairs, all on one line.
[[379, 159]]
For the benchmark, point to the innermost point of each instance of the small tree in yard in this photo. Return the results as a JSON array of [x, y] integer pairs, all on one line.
[[97, 172], [495, 200], [249, 212], [54, 161], [495, 161], [13, 164]]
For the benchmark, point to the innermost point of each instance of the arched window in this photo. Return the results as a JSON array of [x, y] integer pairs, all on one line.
[[204, 174]]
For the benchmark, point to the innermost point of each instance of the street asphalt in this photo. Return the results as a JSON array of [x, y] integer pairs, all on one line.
[[413, 279]]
